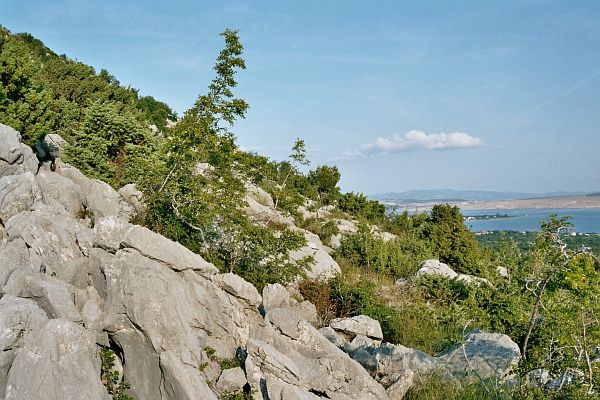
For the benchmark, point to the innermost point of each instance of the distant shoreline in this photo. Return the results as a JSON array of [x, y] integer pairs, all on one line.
[[561, 202], [541, 203]]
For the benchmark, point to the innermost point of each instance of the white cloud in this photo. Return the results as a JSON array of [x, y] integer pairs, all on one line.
[[415, 140]]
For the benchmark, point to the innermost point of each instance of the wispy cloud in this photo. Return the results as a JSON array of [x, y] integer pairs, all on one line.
[[414, 140]]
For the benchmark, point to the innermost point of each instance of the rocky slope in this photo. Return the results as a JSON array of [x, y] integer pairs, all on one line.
[[76, 276]]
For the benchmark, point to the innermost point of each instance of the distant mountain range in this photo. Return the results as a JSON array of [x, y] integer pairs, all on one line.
[[464, 195]]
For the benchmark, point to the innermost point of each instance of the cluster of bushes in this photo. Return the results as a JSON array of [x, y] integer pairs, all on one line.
[[548, 303]]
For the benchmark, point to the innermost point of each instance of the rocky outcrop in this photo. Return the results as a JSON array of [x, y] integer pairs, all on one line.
[[15, 157], [76, 276], [437, 268]]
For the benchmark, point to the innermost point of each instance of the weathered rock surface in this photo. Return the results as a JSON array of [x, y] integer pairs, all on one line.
[[15, 157], [482, 356], [437, 268], [50, 147], [359, 325]]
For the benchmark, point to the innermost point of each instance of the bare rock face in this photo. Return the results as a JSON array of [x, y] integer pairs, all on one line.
[[359, 325], [15, 157], [58, 361], [50, 147], [482, 356], [18, 193]]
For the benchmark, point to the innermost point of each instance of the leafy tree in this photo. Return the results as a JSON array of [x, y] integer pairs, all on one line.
[[452, 241], [110, 145], [195, 192], [325, 180]]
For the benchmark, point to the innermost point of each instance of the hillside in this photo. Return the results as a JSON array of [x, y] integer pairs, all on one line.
[[163, 262]]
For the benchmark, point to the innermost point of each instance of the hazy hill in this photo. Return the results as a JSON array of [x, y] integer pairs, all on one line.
[[464, 195]]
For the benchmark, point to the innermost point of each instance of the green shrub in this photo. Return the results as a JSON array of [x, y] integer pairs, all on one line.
[[110, 378]]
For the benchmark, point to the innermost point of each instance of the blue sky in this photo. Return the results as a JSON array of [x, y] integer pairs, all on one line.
[[400, 95]]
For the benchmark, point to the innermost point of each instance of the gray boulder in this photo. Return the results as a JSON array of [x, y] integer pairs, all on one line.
[[231, 380], [59, 361], [275, 296], [100, 198], [50, 147], [239, 288], [52, 240], [113, 234], [289, 351], [62, 192], [52, 295], [18, 193], [323, 265], [17, 317], [15, 157], [482, 356], [134, 197], [359, 325], [435, 267]]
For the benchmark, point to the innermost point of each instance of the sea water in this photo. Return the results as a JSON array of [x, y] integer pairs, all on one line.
[[585, 220]]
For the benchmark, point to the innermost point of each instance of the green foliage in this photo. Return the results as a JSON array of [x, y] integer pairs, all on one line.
[[359, 205], [41, 93], [398, 258], [110, 378], [111, 144], [156, 111], [194, 186], [452, 241], [325, 180]]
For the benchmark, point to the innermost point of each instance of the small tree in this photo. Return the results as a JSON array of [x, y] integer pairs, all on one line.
[[298, 157]]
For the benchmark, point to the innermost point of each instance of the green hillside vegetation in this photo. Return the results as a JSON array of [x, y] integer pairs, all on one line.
[[193, 179]]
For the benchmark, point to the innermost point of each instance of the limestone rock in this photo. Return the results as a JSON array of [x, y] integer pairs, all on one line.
[[288, 350], [113, 234], [50, 147], [359, 325], [330, 334], [239, 288], [18, 193], [231, 380], [259, 195], [133, 196], [63, 191], [15, 157], [482, 356], [52, 240], [53, 296], [435, 267], [399, 383], [100, 198], [323, 265], [59, 361], [18, 316], [275, 296]]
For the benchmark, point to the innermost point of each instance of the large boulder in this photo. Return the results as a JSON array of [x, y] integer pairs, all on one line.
[[50, 147], [437, 268], [100, 199], [359, 325], [15, 157], [59, 361], [62, 193], [18, 316], [286, 354], [18, 193], [482, 356], [323, 266]]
